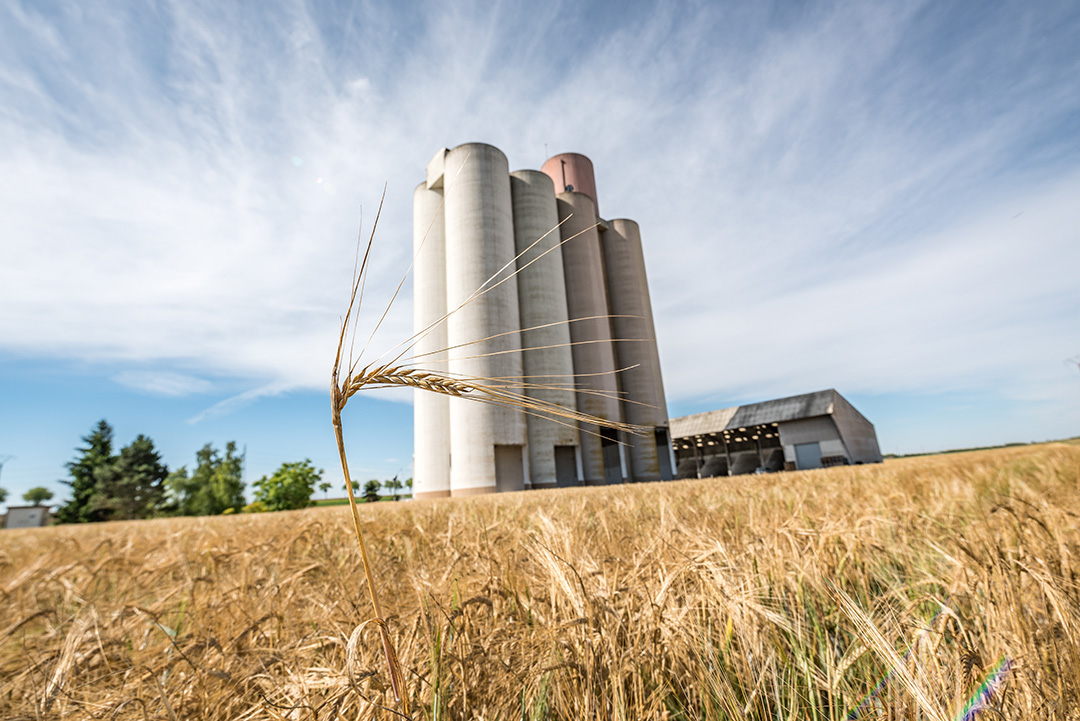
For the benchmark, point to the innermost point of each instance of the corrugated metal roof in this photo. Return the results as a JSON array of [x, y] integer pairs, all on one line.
[[807, 405]]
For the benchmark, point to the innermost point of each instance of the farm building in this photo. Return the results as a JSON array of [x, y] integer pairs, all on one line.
[[26, 517], [813, 430], [575, 321]]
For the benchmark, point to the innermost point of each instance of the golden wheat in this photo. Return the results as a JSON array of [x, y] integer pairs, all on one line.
[[710, 599]]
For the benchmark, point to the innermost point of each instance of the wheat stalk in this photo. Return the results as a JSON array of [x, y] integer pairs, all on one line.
[[340, 392], [505, 392], [873, 638]]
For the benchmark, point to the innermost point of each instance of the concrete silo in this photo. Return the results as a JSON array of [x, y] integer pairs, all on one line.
[[561, 308], [486, 442], [594, 356], [634, 337], [572, 173], [431, 411], [547, 356]]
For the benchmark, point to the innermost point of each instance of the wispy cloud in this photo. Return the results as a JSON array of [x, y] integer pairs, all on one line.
[[235, 402], [164, 383], [874, 197]]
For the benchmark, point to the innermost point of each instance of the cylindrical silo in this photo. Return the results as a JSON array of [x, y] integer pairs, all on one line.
[[431, 411], [635, 348], [545, 338], [572, 173], [486, 442], [594, 357]]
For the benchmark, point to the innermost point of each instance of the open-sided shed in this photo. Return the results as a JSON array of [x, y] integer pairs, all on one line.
[[813, 430]]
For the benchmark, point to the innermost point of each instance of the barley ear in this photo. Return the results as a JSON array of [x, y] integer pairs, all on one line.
[[339, 395]]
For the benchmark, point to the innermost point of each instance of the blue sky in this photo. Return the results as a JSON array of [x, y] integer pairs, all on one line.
[[882, 198]]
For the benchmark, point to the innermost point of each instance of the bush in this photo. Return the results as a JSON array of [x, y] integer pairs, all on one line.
[[371, 491], [289, 488]]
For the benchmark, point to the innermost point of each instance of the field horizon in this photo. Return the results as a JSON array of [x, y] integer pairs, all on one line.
[[929, 587]]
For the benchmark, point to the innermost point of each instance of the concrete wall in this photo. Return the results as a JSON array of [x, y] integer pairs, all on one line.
[[431, 411], [547, 356], [479, 253], [858, 434], [821, 430]]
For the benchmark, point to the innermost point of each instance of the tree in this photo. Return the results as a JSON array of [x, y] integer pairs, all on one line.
[[36, 495], [84, 470], [133, 485], [289, 488], [216, 484], [325, 487], [371, 491], [3, 494], [408, 484]]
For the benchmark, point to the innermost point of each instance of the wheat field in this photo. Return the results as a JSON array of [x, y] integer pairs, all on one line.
[[941, 587]]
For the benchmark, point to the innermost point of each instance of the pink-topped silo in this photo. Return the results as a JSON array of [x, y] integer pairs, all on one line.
[[572, 173]]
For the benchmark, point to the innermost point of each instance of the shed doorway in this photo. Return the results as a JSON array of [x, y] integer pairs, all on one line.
[[509, 469], [807, 456], [566, 466], [609, 442]]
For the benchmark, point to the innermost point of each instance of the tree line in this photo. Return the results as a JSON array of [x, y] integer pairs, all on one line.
[[135, 484]]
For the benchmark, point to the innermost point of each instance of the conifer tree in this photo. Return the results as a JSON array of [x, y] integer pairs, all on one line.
[[132, 486], [92, 460]]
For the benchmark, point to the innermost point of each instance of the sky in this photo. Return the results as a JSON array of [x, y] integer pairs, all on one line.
[[882, 198]]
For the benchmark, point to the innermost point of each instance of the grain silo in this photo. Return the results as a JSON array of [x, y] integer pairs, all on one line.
[[572, 172], [590, 331], [548, 359], [431, 414], [636, 353], [486, 442], [563, 308]]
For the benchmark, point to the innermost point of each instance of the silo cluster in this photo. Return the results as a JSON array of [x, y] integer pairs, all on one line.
[[518, 279]]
